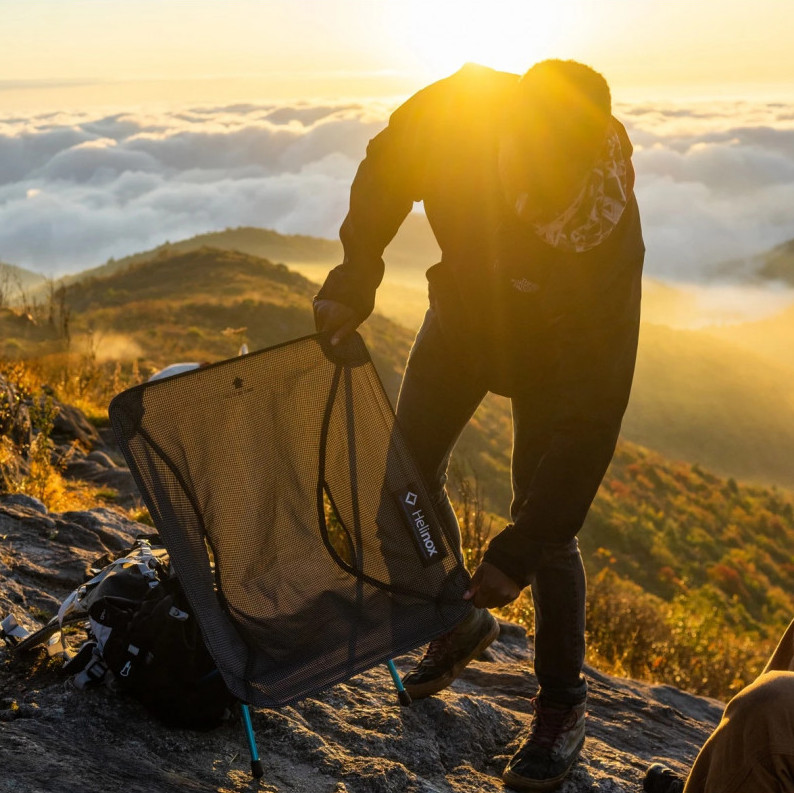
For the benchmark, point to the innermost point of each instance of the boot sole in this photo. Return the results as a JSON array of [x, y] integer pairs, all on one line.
[[525, 783], [422, 690]]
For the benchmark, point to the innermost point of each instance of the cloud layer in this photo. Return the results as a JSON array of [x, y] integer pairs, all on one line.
[[75, 190], [715, 181]]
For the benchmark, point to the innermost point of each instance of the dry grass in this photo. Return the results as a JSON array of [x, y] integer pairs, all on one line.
[[689, 643], [37, 470]]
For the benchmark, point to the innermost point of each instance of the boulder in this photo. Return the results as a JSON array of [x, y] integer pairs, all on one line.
[[72, 425], [22, 500], [90, 469]]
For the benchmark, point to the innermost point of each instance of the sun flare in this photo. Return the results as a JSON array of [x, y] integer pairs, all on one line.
[[505, 34]]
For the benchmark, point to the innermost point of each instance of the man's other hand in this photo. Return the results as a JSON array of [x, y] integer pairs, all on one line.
[[334, 318], [491, 588]]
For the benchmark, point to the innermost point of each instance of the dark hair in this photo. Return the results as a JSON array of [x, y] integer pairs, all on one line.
[[567, 98]]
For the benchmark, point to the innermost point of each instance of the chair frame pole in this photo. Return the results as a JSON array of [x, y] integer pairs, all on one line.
[[256, 764], [402, 695]]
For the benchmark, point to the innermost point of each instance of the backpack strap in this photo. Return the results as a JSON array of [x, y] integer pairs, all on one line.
[[11, 632], [76, 606], [95, 669]]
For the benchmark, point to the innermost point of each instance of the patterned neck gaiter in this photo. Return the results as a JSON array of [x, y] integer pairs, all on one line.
[[599, 206]]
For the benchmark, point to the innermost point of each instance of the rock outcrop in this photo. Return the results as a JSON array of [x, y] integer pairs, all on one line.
[[353, 738]]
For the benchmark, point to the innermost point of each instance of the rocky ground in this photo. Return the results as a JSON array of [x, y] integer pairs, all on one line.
[[354, 737]]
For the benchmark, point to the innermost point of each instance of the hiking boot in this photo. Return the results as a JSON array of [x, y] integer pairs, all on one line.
[[661, 779], [555, 739], [447, 656]]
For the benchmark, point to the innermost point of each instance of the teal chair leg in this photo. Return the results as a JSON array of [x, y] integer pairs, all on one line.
[[403, 696], [256, 763]]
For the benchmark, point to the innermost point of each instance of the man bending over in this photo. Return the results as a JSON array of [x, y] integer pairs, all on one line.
[[527, 184]]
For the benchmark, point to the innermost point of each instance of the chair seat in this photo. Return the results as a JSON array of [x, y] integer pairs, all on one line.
[[294, 514]]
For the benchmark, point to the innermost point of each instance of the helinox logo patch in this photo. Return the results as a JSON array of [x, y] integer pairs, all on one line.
[[418, 518]]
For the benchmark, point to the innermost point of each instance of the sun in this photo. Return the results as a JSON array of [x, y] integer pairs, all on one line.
[[439, 36]]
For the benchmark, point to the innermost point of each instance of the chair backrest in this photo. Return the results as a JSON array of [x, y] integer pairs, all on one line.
[[295, 517]]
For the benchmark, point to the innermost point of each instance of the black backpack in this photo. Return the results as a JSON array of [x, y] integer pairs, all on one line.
[[143, 638]]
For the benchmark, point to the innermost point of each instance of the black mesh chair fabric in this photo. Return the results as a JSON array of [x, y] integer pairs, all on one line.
[[294, 515]]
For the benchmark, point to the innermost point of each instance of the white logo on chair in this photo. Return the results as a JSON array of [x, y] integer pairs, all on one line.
[[419, 519]]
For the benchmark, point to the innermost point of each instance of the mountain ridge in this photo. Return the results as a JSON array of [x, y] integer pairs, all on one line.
[[774, 264], [14, 277], [695, 397]]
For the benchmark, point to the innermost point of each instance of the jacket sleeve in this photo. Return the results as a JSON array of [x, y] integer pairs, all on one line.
[[387, 182], [591, 389]]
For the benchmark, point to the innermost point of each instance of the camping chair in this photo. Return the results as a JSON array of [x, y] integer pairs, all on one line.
[[294, 515]]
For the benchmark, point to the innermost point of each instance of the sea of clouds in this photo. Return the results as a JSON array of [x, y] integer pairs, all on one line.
[[715, 181]]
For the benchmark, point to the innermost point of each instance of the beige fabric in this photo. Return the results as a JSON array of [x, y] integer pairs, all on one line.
[[752, 749]]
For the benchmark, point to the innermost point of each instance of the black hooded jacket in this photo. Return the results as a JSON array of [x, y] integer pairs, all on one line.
[[516, 305]]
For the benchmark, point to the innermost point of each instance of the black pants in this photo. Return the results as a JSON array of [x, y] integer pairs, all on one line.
[[437, 398]]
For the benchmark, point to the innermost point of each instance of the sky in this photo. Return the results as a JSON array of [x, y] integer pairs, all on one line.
[[124, 124], [126, 50]]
